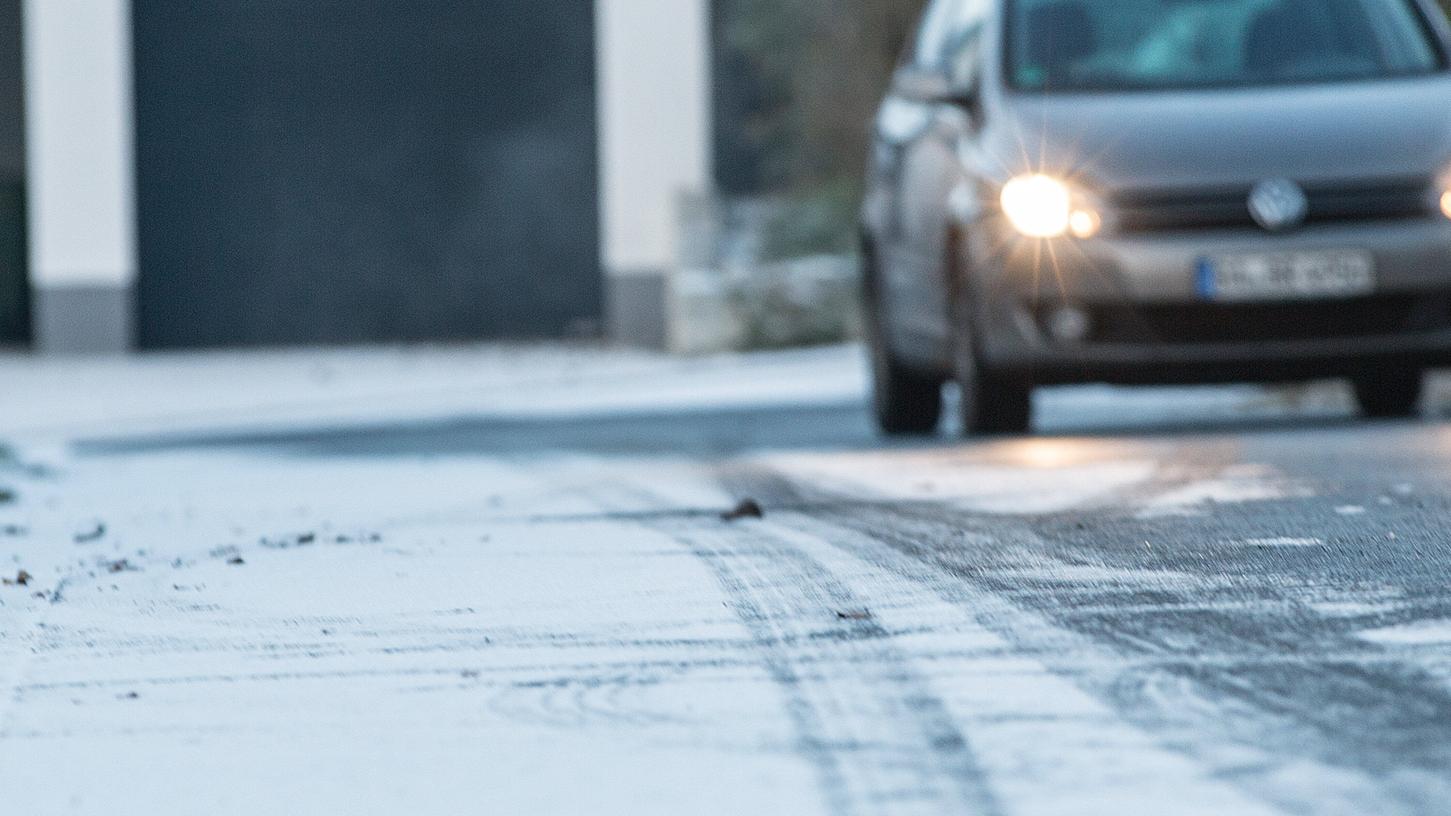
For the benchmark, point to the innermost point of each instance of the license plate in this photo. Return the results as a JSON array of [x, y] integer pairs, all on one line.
[[1286, 276]]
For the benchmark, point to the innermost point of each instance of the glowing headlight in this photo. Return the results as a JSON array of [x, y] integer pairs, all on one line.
[[1037, 206], [1040, 206], [1443, 188]]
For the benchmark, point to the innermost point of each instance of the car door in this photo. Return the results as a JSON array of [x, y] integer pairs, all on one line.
[[923, 124]]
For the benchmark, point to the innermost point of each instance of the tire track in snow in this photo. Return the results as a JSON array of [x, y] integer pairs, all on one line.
[[18, 625], [879, 737], [14, 659]]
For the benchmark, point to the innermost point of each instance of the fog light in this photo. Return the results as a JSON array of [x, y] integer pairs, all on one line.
[[1086, 223], [1446, 203], [1068, 324]]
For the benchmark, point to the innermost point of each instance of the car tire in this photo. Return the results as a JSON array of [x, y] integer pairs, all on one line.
[[905, 402], [1393, 394], [989, 403]]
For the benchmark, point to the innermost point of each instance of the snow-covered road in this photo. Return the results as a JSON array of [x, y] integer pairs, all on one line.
[[497, 581]]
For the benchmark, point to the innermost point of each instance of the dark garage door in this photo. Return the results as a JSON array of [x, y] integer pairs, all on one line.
[[14, 285], [338, 171]]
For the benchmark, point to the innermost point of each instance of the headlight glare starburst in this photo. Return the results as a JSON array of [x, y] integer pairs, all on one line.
[[1041, 206]]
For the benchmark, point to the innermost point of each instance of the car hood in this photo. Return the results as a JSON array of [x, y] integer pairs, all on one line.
[[1372, 130]]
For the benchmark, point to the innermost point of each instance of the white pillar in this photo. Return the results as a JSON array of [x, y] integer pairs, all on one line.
[[655, 149], [80, 173]]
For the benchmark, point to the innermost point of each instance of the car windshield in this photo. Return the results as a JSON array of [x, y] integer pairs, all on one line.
[[1068, 45]]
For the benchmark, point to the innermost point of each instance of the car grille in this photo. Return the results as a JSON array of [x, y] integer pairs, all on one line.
[[1253, 323], [1168, 210]]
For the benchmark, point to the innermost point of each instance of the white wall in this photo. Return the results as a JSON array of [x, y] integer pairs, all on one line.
[[80, 142], [654, 119]]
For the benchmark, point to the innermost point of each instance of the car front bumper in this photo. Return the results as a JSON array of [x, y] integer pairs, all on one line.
[[1148, 322]]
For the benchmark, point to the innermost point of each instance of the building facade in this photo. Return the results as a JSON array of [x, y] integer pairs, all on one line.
[[214, 173]]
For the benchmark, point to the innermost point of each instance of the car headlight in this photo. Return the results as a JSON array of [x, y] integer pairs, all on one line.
[[1041, 206], [1443, 192]]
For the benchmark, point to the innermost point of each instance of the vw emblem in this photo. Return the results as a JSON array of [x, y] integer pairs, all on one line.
[[1278, 205]]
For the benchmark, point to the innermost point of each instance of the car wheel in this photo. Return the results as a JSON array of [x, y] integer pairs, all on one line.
[[989, 402], [1390, 394], [904, 402]]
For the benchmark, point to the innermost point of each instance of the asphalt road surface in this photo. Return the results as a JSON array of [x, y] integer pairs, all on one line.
[[1173, 602]]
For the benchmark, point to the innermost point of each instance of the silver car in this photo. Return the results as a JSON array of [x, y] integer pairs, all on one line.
[[1140, 191]]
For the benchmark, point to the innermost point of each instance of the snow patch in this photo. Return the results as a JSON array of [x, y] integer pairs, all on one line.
[[1283, 541], [973, 480], [1235, 485], [56, 401], [1350, 609], [1014, 490], [1420, 633]]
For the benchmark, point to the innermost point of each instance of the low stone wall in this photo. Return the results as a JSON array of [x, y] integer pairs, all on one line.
[[727, 297], [785, 304]]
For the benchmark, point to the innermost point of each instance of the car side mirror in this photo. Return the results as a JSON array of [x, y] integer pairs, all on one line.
[[935, 87], [920, 85], [964, 96], [964, 89], [964, 71]]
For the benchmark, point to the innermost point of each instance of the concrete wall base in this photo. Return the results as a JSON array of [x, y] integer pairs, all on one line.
[[93, 319], [635, 309]]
